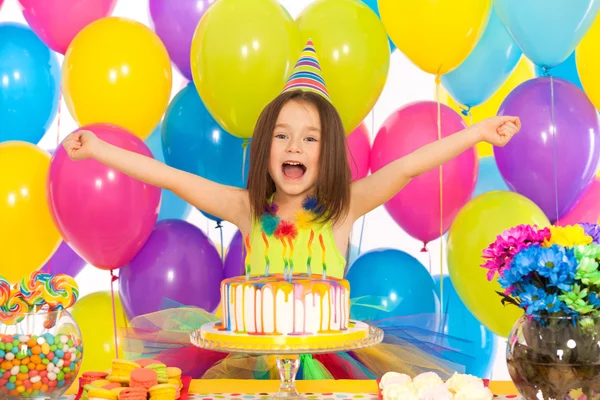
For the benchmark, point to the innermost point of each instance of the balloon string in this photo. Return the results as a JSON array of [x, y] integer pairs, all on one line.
[[438, 82], [113, 278], [364, 217], [220, 228], [554, 146], [49, 269], [245, 147]]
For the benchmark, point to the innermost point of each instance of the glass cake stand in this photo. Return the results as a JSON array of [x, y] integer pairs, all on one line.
[[286, 348]]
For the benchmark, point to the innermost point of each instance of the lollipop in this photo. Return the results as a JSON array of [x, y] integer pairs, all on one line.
[[60, 292], [4, 291], [32, 288], [16, 308]]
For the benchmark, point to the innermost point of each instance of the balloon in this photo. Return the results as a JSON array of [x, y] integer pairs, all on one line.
[[64, 261], [469, 235], [28, 236], [171, 205], [487, 67], [488, 177], [104, 215], [587, 208], [179, 263], [566, 70], [194, 142], [528, 162], [472, 344], [416, 209], [547, 34], [29, 84], [437, 35], [352, 47], [127, 83], [359, 152], [380, 289], [235, 257], [94, 316], [373, 6], [588, 61], [522, 72], [57, 22], [175, 22], [242, 54]]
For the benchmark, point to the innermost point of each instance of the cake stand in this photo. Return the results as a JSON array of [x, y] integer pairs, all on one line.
[[286, 348]]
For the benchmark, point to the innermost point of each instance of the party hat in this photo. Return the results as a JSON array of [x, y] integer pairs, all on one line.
[[307, 73]]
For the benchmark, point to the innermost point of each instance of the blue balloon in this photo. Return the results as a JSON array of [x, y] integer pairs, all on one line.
[[194, 142], [566, 70], [29, 84], [487, 67], [468, 341], [373, 6], [171, 205], [489, 178], [547, 33], [388, 283]]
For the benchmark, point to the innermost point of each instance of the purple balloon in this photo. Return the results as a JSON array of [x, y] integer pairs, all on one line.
[[64, 261], [235, 257], [175, 22], [527, 162], [179, 263]]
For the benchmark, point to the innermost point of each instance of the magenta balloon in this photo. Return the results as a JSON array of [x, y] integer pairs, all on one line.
[[527, 163], [57, 22], [104, 215], [177, 263], [416, 208], [359, 152], [175, 22]]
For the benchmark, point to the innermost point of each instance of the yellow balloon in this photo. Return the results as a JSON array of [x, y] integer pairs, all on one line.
[[474, 228], [28, 236], [242, 54], [437, 35], [587, 58], [354, 53], [524, 71], [117, 71], [94, 316]]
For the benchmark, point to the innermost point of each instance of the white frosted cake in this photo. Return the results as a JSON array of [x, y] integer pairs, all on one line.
[[271, 305]]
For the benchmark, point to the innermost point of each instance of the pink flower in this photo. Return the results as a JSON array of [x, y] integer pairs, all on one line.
[[500, 254]]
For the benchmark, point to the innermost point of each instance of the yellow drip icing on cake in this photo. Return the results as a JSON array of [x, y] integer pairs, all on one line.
[[271, 305]]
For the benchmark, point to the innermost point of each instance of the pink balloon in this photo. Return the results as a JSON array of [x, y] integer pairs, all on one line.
[[359, 152], [416, 209], [57, 22], [104, 215], [587, 208]]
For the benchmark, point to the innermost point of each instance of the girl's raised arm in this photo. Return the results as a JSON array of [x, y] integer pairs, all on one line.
[[376, 189], [225, 202]]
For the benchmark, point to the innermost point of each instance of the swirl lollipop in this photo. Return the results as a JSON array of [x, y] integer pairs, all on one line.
[[60, 292], [16, 308], [32, 288], [4, 291]]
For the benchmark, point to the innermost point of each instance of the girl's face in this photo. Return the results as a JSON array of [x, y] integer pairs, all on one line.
[[295, 149]]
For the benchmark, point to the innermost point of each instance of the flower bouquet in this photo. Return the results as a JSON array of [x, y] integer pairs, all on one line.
[[553, 275]]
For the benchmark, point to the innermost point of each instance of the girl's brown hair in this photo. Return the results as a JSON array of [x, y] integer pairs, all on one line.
[[334, 177]]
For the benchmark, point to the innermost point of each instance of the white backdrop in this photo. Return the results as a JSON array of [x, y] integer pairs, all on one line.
[[406, 83]]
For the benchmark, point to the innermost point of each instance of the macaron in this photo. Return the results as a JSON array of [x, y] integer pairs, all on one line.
[[121, 371], [102, 394], [100, 383], [161, 372], [143, 377], [89, 377], [133, 393], [163, 392], [142, 362], [112, 386]]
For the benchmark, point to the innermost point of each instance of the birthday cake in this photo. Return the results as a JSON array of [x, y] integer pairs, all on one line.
[[272, 305]]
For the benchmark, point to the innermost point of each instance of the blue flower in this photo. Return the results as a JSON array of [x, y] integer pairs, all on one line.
[[535, 300], [523, 264], [559, 265], [594, 300]]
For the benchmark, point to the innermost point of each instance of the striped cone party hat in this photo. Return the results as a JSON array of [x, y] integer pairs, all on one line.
[[307, 73]]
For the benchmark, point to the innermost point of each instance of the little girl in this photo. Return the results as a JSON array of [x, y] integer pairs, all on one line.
[[300, 195]]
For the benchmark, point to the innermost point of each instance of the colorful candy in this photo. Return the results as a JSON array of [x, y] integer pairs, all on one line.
[[32, 288], [16, 308], [28, 367], [4, 291], [60, 292]]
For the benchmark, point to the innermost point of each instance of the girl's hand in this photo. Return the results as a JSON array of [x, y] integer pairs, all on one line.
[[80, 145], [498, 131]]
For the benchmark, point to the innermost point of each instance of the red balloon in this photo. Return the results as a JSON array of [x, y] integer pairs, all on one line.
[[359, 152], [416, 209], [103, 214]]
